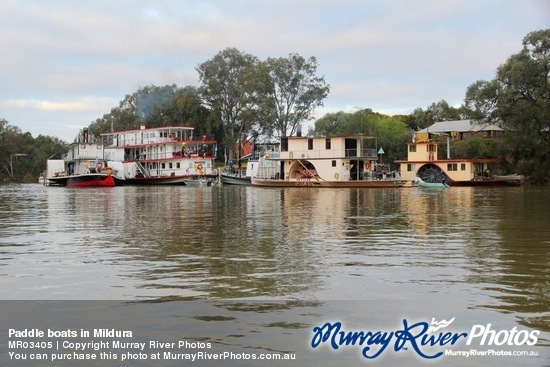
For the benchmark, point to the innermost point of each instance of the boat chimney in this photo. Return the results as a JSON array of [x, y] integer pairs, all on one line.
[[142, 126], [85, 135], [299, 131]]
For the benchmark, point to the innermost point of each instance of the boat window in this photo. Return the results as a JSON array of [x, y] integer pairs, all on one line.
[[333, 163], [463, 166], [284, 144], [412, 148], [452, 167], [327, 143], [310, 144]]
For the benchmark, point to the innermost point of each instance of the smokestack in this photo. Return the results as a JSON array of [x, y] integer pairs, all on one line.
[[299, 131], [142, 126]]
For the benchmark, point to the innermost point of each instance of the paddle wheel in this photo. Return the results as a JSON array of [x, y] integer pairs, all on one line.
[[431, 173]]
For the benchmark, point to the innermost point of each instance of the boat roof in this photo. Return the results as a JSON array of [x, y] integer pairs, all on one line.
[[160, 128], [332, 137], [460, 126]]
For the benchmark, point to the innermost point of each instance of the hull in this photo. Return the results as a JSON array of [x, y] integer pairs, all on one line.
[[168, 180], [230, 179], [333, 184], [432, 185], [199, 181], [86, 180]]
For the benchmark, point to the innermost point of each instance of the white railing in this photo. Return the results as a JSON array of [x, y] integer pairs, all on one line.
[[329, 154]]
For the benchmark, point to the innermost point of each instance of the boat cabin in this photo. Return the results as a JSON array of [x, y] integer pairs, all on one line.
[[422, 161], [340, 158], [153, 153]]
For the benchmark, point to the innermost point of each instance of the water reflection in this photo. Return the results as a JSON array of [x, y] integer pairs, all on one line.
[[463, 248]]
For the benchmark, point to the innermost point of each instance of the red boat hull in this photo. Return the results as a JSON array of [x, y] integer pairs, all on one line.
[[91, 181], [86, 180]]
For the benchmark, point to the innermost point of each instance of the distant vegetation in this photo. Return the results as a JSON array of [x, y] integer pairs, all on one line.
[[240, 97]]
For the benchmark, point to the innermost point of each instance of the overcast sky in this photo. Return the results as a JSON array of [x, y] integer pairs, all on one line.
[[67, 62]]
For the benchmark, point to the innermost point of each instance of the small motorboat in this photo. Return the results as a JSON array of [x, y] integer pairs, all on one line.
[[430, 185]]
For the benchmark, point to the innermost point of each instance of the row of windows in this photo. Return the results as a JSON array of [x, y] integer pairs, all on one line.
[[166, 165], [284, 144], [450, 167], [310, 144], [429, 148], [454, 166]]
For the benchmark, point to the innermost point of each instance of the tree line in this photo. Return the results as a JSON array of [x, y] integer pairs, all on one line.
[[241, 97]]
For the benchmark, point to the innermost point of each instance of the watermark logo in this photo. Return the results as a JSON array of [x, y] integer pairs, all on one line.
[[428, 340], [439, 325]]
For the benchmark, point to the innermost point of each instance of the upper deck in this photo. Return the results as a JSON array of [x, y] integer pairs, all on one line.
[[327, 147], [83, 151], [143, 136]]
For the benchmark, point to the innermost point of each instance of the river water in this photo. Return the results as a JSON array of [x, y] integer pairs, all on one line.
[[361, 256]]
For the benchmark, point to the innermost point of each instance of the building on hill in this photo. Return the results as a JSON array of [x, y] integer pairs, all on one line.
[[461, 129]]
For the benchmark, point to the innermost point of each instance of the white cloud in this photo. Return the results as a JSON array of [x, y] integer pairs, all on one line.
[[73, 61], [83, 104]]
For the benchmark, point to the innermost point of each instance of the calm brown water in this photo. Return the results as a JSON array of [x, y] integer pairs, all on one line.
[[479, 253]]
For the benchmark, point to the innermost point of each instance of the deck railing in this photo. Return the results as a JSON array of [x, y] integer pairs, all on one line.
[[329, 154]]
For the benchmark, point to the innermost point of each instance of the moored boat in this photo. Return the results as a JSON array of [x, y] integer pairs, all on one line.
[[82, 166], [429, 185], [160, 156], [243, 176], [342, 161], [423, 162], [84, 180], [235, 178]]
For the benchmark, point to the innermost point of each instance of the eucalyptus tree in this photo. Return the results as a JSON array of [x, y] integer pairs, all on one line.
[[519, 96], [10, 146], [22, 156], [331, 124], [293, 94], [518, 99], [441, 111], [230, 88], [187, 109], [392, 134], [362, 122]]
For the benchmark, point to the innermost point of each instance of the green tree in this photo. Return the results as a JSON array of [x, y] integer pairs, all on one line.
[[518, 99], [392, 134], [418, 119], [10, 144], [187, 109], [331, 124], [293, 93], [441, 111], [229, 87], [474, 147], [21, 155], [362, 122]]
